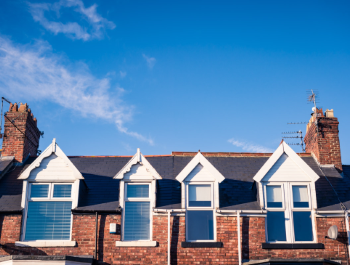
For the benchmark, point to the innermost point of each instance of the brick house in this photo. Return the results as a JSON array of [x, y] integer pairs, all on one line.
[[183, 208]]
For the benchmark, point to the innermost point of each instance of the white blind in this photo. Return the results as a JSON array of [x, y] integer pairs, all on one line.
[[50, 220], [274, 193], [300, 194], [199, 192], [137, 221]]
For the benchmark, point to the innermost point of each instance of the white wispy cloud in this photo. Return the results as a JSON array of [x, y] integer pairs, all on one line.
[[249, 147], [94, 29], [122, 74], [151, 61], [34, 72]]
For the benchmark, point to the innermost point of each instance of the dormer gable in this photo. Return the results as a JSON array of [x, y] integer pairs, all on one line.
[[199, 169], [52, 164], [285, 165], [138, 168], [200, 173], [285, 169]]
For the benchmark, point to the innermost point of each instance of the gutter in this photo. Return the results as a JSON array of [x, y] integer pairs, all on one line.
[[242, 211], [169, 210], [77, 211], [325, 212]]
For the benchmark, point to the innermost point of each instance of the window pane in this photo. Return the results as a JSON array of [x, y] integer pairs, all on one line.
[[39, 191], [62, 191], [300, 197], [276, 226], [274, 196], [137, 221], [302, 226], [200, 225], [199, 195], [137, 191], [48, 221]]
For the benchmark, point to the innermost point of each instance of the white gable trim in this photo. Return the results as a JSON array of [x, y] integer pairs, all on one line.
[[284, 148], [137, 158], [199, 159], [53, 148]]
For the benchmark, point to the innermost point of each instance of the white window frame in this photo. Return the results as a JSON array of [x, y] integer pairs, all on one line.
[[149, 199], [288, 209], [73, 198], [212, 208]]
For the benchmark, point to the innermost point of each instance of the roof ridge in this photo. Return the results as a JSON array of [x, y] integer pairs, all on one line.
[[231, 154], [117, 156]]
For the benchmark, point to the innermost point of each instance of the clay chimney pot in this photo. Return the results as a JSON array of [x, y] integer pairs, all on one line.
[[23, 107], [329, 113], [13, 107]]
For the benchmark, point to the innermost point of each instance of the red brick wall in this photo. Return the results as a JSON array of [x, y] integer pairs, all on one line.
[[252, 232], [254, 236], [14, 141], [226, 233]]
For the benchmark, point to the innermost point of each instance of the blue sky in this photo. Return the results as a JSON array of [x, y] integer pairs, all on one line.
[[107, 77]]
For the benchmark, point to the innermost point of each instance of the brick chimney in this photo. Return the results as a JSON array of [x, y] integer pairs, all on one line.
[[21, 134], [322, 140]]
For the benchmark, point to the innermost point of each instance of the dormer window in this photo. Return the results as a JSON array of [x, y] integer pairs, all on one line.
[[287, 191], [200, 197], [137, 198], [200, 212], [289, 212], [50, 192]]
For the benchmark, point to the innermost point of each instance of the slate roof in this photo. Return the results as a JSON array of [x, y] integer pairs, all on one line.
[[11, 188], [100, 192], [5, 163]]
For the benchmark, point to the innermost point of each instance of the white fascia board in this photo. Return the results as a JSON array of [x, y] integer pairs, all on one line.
[[284, 148], [269, 164], [199, 159], [137, 158], [53, 148]]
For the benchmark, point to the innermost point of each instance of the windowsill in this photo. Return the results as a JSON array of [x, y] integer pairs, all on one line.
[[46, 243], [201, 244], [292, 246], [136, 243]]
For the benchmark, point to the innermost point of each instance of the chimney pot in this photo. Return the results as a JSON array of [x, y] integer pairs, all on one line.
[[329, 113], [13, 107], [22, 107]]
